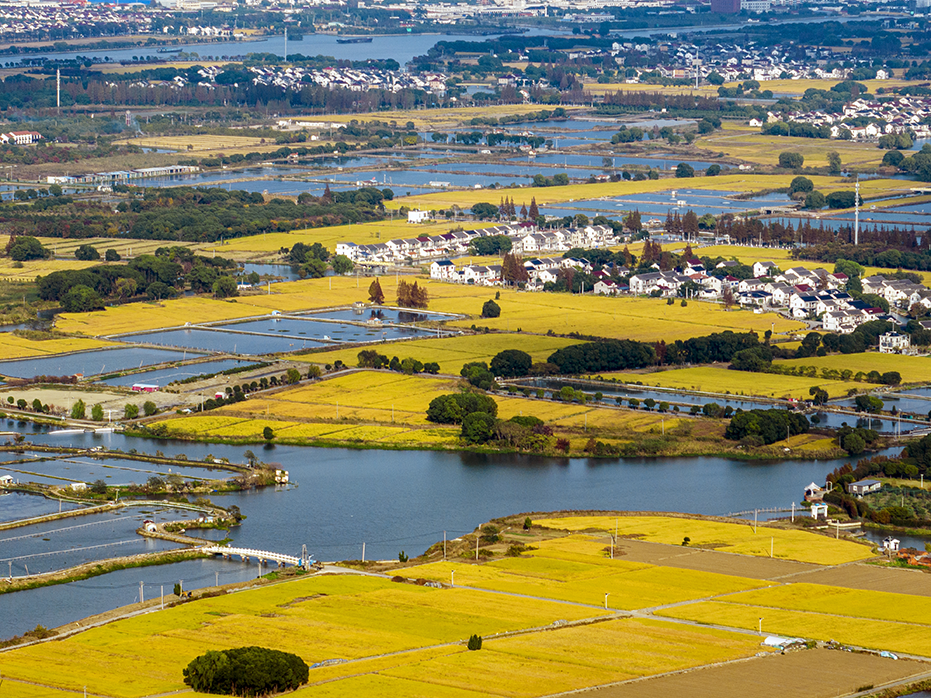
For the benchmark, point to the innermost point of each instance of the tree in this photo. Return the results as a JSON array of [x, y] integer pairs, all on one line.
[[86, 253], [125, 288], [490, 309], [131, 411], [478, 427], [412, 295], [341, 264], [790, 160], [841, 199], [78, 410], [81, 299], [814, 200], [225, 287], [149, 408], [268, 434], [684, 170], [246, 671], [292, 375], [727, 296], [513, 270], [868, 403], [853, 443], [97, 413], [801, 184], [511, 363], [484, 210], [376, 295], [25, 248], [475, 642], [251, 458], [533, 213], [112, 255], [713, 170], [158, 290], [834, 162], [98, 487]]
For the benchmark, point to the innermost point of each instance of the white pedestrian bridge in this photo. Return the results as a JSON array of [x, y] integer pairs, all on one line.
[[260, 555]]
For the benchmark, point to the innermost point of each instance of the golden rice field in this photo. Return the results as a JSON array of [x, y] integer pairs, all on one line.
[[361, 233], [645, 319], [451, 352], [319, 618], [13, 347], [787, 544], [857, 603], [126, 247], [28, 271], [720, 379], [198, 143], [630, 586], [574, 192], [747, 143], [880, 635], [391, 398], [914, 369]]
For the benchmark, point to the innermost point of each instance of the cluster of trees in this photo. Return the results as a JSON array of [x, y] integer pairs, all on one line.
[[312, 260], [557, 180], [246, 671], [763, 427], [195, 215], [369, 358], [909, 466], [158, 276], [411, 295], [478, 415]]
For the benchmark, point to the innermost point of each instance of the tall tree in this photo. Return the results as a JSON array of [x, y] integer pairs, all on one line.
[[376, 295], [534, 212]]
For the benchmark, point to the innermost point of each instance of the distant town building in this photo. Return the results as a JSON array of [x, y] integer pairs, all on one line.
[[725, 7], [418, 216], [862, 487]]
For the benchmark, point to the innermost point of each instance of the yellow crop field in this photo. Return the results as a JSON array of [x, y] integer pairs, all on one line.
[[28, 271], [721, 379], [575, 192], [630, 585], [135, 317], [747, 143], [874, 634], [198, 143], [818, 598], [914, 369], [361, 233], [13, 347], [451, 352], [520, 667], [318, 618], [644, 319], [788, 544], [126, 247]]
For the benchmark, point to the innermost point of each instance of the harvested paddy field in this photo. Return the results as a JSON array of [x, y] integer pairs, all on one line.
[[721, 379], [871, 577], [837, 674]]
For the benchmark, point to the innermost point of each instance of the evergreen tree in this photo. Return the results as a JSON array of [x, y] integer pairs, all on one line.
[[534, 212], [376, 295], [523, 211]]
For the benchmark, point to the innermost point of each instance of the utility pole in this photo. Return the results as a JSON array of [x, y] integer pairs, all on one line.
[[476, 546], [363, 551], [285, 44], [444, 540], [58, 90], [141, 593]]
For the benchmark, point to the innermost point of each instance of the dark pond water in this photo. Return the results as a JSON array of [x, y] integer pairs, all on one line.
[[16, 505], [90, 363]]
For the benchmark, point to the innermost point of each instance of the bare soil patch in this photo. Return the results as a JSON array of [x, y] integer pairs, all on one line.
[[808, 674], [872, 578], [710, 561]]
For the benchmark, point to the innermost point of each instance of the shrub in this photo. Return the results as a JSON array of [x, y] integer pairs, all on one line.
[[791, 161], [246, 671], [491, 309]]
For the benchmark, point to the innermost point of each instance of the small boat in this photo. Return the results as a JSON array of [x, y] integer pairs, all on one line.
[[355, 40], [169, 50]]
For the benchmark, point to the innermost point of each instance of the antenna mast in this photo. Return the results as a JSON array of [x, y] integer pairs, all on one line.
[[856, 213]]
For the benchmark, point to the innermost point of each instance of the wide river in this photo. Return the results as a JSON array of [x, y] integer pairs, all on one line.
[[405, 500]]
